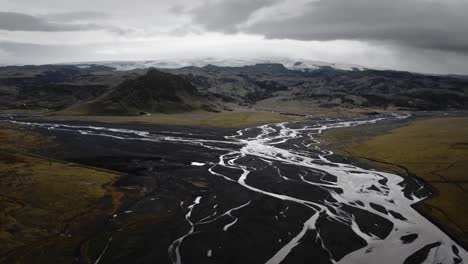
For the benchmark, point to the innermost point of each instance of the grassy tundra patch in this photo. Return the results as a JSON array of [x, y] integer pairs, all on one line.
[[434, 149], [232, 119], [43, 202]]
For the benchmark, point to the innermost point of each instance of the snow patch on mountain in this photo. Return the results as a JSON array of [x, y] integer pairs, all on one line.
[[303, 65]]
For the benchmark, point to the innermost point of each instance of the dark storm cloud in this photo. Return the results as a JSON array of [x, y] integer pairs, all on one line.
[[23, 22], [427, 24], [225, 15]]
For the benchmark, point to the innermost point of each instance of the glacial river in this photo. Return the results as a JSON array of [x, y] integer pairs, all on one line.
[[295, 204]]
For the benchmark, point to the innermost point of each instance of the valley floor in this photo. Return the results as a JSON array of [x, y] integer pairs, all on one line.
[[238, 118], [139, 207]]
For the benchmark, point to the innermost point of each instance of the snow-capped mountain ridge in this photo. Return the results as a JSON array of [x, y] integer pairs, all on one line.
[[303, 65]]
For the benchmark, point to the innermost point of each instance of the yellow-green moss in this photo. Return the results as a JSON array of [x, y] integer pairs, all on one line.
[[196, 118], [40, 198]]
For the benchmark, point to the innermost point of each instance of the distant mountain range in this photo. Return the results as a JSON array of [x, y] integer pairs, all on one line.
[[130, 88], [303, 65]]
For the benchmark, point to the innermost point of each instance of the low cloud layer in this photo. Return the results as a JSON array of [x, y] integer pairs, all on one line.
[[228, 14], [12, 21], [77, 16], [416, 35]]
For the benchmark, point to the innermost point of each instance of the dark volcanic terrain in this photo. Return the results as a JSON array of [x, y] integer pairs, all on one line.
[[330, 87], [196, 195], [100, 90], [128, 192], [155, 91]]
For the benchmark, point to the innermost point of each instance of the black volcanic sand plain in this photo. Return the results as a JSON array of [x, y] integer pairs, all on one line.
[[154, 178], [156, 182]]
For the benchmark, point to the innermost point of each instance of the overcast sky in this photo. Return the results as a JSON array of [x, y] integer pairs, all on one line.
[[417, 35]]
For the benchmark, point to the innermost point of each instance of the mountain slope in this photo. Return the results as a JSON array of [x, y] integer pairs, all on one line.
[[155, 91], [53, 87], [101, 90], [330, 87]]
